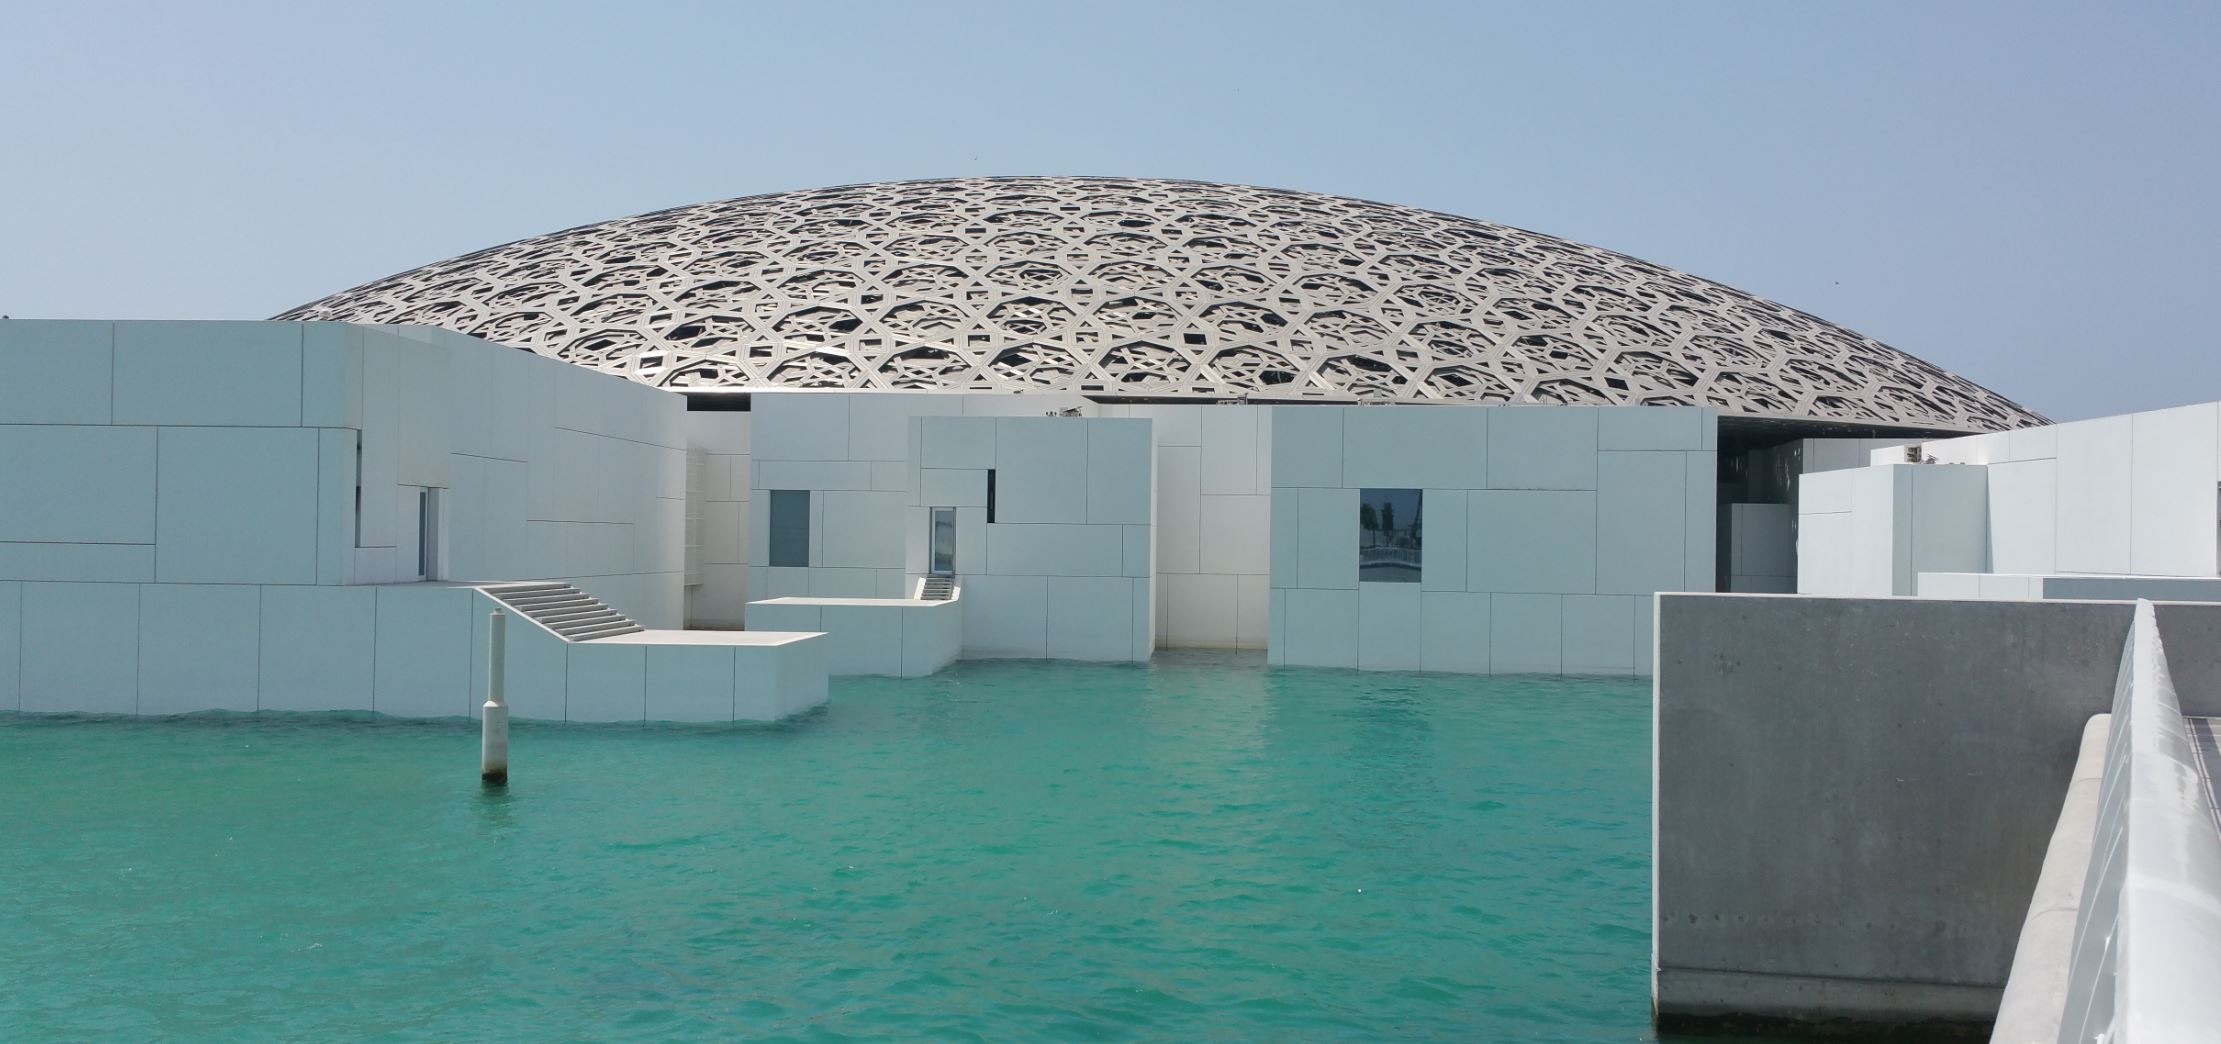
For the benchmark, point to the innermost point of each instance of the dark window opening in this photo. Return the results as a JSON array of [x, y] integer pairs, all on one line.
[[990, 494], [1388, 532], [790, 527]]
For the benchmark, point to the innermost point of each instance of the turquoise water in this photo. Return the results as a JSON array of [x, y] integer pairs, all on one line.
[[1197, 849]]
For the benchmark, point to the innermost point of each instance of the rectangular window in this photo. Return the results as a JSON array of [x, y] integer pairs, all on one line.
[[428, 534], [1388, 536], [790, 527], [943, 542], [990, 494]]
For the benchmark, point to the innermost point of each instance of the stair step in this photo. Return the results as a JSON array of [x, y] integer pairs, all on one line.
[[572, 614]]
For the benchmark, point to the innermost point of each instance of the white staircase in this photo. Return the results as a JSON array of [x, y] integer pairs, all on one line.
[[572, 614], [937, 588]]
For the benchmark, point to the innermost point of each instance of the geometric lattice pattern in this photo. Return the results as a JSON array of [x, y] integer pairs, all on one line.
[[1152, 288]]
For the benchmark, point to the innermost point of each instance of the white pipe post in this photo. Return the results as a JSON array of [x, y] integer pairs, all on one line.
[[493, 737]]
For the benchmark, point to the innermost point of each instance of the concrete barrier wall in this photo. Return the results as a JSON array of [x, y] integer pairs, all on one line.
[[1854, 795]]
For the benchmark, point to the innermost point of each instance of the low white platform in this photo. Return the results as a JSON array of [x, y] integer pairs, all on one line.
[[900, 637]]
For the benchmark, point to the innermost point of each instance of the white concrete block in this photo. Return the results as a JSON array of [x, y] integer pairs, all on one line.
[[332, 384], [863, 530], [1438, 446], [1762, 583], [1056, 550], [238, 505], [932, 638], [1824, 492], [809, 474], [1824, 549], [607, 683], [1142, 630], [1652, 427], [1005, 616], [879, 424], [1531, 541], [1948, 585], [1137, 558], [2032, 443], [957, 442], [1120, 468], [1597, 634], [423, 654], [2016, 588], [1453, 632], [110, 563], [2023, 514], [317, 648], [1090, 618], [69, 484], [1443, 560], [1286, 539], [1231, 526], [724, 531], [1202, 610], [948, 487], [2095, 495], [843, 583], [11, 645], [1640, 514], [1525, 633], [1276, 624], [1542, 447], [1307, 446], [971, 540], [1389, 627], [229, 373], [58, 371], [798, 426], [199, 648], [689, 683], [1645, 654], [1041, 469], [80, 648], [1326, 538], [1179, 510], [1950, 521], [2174, 476], [1760, 540], [1322, 628], [1252, 618], [1229, 458], [864, 639], [1700, 527], [1175, 425]]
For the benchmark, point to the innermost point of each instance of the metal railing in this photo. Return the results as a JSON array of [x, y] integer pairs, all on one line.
[[2146, 965]]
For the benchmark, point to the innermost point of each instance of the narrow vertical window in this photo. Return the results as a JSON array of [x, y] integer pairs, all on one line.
[[990, 494], [427, 533], [790, 527], [1388, 528]]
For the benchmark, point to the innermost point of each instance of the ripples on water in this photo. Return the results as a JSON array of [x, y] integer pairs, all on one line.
[[1196, 849]]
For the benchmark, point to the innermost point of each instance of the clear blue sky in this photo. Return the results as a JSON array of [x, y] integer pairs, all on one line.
[[2021, 192]]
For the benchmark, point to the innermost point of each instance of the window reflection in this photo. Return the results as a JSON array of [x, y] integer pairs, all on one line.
[[1388, 526]]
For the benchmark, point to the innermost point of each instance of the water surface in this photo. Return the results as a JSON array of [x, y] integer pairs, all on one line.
[[1201, 848]]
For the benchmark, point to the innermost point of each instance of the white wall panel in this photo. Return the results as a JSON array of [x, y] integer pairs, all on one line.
[[2096, 492], [238, 505], [109, 563], [863, 530], [58, 371], [423, 656], [199, 648], [1232, 527], [1415, 448], [1201, 609], [1824, 554], [608, 683], [1321, 628], [1597, 634], [1179, 510], [1229, 458], [955, 442], [1005, 616], [1542, 447], [228, 373], [879, 424], [863, 639], [1056, 550], [80, 648], [1524, 633], [318, 648], [2023, 514], [11, 645], [689, 683], [798, 426], [1119, 464], [1041, 469], [1091, 618], [1326, 538], [1454, 631], [1531, 541], [1443, 554], [1306, 446], [1389, 627], [1251, 617], [1139, 562], [1641, 509], [950, 487], [1652, 427], [2174, 476], [73, 484]]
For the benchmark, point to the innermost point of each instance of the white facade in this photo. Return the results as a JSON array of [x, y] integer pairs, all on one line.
[[1548, 529], [2129, 496]]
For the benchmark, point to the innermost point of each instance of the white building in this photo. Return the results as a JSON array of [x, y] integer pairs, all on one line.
[[878, 429]]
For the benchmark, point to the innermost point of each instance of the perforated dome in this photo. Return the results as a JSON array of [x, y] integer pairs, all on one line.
[[1162, 289]]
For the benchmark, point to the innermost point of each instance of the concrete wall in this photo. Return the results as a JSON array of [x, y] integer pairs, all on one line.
[[1853, 796], [1214, 500], [1761, 548], [1871, 531], [1066, 569], [1547, 529], [890, 637], [720, 599]]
